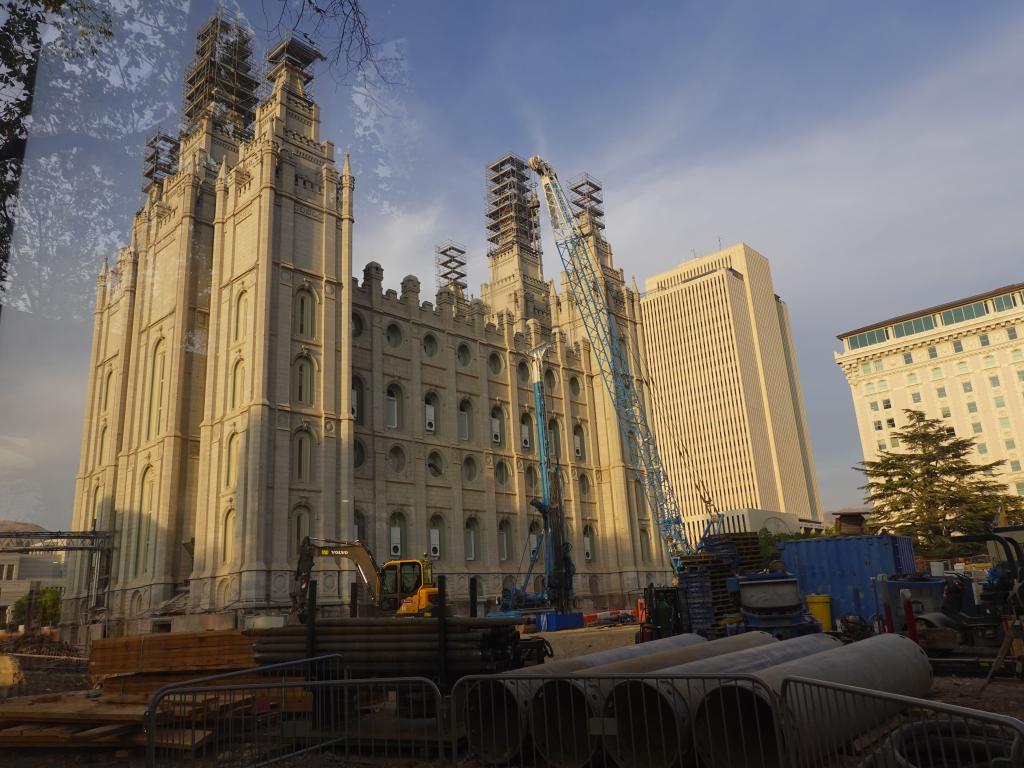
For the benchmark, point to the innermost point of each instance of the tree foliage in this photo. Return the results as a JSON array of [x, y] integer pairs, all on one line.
[[45, 607], [931, 489]]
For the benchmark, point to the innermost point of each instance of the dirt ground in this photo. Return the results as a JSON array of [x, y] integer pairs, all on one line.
[[1003, 696]]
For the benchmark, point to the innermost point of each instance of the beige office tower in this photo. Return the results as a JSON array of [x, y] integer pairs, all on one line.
[[960, 362], [728, 412], [246, 390]]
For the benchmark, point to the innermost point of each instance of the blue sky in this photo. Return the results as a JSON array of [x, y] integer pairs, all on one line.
[[870, 150]]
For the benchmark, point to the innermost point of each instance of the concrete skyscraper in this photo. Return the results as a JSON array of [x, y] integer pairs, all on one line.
[[728, 412]]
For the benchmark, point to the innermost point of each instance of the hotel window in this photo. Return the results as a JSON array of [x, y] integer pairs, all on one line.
[[968, 387], [1004, 302], [1017, 355], [962, 366], [967, 312], [890, 423], [983, 339], [976, 428], [887, 404], [936, 373], [1020, 489], [878, 426], [1020, 375], [878, 365], [989, 361], [915, 397], [1015, 465], [946, 413], [908, 358], [972, 407], [941, 392], [993, 381], [917, 325], [932, 353], [867, 338], [1011, 334], [874, 405], [982, 448], [911, 378], [865, 368], [881, 447], [1004, 422], [1000, 402], [870, 388], [883, 385], [958, 346], [895, 442], [1010, 444]]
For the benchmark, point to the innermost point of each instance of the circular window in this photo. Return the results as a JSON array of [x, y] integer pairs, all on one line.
[[523, 372], [531, 477], [393, 335], [584, 485], [429, 345], [574, 386], [469, 468], [549, 380], [396, 459], [464, 355], [357, 325], [494, 363], [501, 472], [435, 464], [358, 454]]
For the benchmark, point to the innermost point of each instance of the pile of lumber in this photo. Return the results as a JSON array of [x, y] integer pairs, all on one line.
[[203, 652], [72, 720]]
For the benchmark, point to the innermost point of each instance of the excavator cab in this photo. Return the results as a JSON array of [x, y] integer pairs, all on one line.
[[407, 588]]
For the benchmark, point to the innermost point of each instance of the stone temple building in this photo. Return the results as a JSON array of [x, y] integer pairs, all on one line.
[[247, 388]]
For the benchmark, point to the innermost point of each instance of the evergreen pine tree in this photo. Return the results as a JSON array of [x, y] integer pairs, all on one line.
[[930, 489]]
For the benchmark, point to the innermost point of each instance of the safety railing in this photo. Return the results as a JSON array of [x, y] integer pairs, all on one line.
[[251, 722], [829, 724], [632, 721]]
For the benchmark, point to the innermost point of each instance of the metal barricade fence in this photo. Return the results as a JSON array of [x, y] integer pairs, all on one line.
[[629, 720], [211, 723], [828, 725]]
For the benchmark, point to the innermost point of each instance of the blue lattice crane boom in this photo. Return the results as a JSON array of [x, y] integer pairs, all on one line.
[[581, 269]]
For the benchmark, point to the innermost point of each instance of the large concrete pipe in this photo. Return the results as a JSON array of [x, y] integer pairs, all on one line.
[[822, 720], [653, 716], [496, 707], [566, 714]]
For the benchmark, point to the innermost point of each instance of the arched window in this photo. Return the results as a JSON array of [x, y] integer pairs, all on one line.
[[156, 390], [504, 540], [231, 461], [396, 534], [501, 473], [358, 404], [431, 408], [550, 381], [465, 419], [359, 532], [472, 538], [531, 478], [227, 548], [435, 536], [97, 507], [584, 485], [101, 447], [497, 426], [435, 464], [304, 314], [393, 406], [526, 431], [645, 545], [640, 497], [241, 316], [578, 442], [108, 387], [302, 456], [303, 387], [238, 384], [299, 527], [589, 544], [144, 528], [554, 440]]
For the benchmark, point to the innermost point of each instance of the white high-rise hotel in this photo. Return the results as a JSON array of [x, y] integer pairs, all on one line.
[[961, 362]]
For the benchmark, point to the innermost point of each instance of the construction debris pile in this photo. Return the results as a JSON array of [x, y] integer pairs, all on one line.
[[704, 577]]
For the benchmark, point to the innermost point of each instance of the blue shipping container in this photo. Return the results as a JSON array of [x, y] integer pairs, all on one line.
[[843, 566]]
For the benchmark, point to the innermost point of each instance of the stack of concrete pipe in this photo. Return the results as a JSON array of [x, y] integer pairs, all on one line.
[[723, 695]]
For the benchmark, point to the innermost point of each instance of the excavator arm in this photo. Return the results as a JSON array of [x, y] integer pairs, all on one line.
[[354, 551]]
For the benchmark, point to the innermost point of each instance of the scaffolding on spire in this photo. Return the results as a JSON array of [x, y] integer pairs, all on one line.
[[161, 158], [450, 266], [587, 202], [221, 82], [512, 206]]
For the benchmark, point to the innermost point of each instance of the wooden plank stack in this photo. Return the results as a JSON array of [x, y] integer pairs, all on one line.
[[203, 652]]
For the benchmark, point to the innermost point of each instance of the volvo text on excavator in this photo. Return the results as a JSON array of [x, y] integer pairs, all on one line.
[[398, 588]]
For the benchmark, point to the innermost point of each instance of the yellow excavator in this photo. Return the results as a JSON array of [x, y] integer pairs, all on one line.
[[398, 588]]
